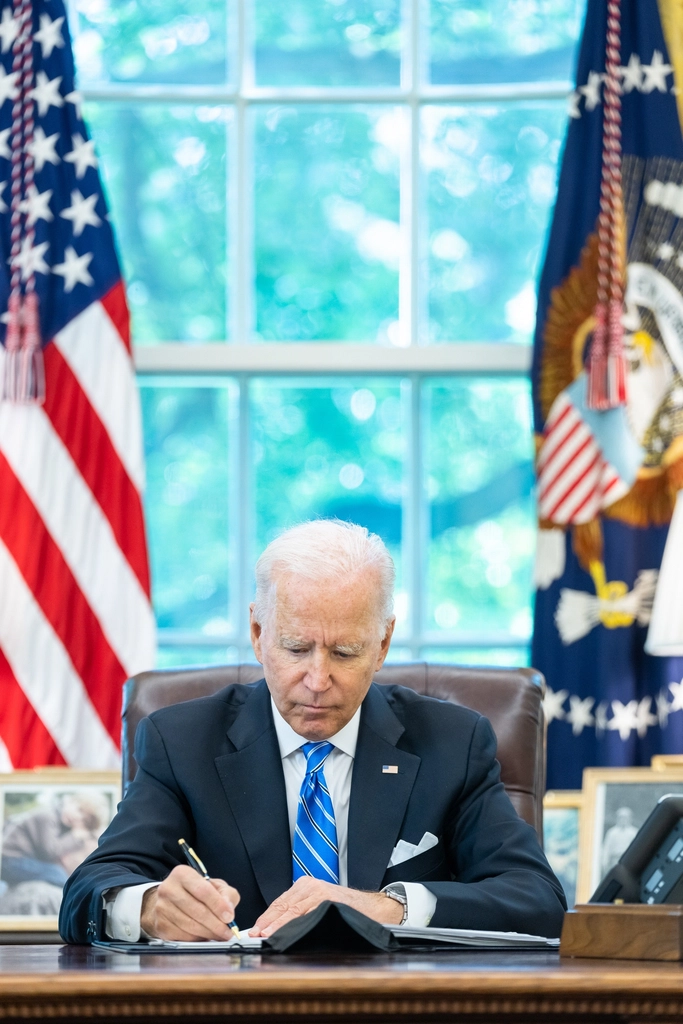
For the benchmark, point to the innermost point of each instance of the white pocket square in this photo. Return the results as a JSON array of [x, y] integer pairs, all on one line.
[[405, 851]]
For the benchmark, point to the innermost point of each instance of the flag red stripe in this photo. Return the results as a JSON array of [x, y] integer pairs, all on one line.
[[565, 496], [554, 438], [553, 424], [592, 495], [117, 309], [28, 742], [569, 457], [57, 593], [612, 483], [85, 438]]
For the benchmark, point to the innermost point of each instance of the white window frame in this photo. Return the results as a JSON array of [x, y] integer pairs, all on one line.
[[241, 359]]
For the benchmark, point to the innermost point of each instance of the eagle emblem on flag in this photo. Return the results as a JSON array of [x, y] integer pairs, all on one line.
[[625, 463], [607, 382]]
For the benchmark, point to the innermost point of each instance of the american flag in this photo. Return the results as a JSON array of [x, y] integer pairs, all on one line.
[[75, 612], [575, 480]]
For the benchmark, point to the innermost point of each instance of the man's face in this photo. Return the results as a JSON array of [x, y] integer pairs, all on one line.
[[320, 648]]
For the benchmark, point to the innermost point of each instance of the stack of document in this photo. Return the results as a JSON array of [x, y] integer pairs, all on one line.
[[470, 937], [425, 937]]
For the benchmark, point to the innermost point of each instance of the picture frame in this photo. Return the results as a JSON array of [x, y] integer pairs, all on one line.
[[661, 762], [606, 832], [50, 819], [562, 814]]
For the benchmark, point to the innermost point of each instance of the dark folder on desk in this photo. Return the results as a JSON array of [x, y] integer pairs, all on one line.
[[337, 928]]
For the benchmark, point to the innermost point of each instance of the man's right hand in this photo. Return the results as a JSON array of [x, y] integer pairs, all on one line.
[[187, 907]]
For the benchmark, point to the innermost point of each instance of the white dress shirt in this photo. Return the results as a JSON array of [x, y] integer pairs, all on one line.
[[123, 906]]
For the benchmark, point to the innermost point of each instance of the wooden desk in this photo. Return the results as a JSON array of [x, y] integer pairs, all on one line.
[[77, 982]]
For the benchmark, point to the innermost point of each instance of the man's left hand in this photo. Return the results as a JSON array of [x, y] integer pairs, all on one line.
[[308, 893]]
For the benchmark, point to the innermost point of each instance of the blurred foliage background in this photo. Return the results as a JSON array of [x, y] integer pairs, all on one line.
[[445, 463]]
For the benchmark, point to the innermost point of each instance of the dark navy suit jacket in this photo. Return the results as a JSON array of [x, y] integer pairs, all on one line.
[[210, 771]]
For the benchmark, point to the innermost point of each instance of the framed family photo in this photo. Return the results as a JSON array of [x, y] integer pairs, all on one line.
[[50, 820], [561, 831], [617, 801]]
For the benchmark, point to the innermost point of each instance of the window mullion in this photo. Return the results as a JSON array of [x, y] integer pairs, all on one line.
[[245, 521]]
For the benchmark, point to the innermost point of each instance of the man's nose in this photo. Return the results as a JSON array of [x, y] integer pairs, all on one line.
[[318, 675]]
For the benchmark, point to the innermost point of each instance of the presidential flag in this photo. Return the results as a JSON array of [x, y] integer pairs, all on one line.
[[608, 403], [75, 613]]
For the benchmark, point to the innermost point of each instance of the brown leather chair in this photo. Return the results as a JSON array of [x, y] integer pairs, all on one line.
[[510, 699]]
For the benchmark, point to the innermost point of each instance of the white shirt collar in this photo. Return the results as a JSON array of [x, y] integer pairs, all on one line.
[[289, 741]]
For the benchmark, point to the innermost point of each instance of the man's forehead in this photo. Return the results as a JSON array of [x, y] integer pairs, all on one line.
[[356, 589]]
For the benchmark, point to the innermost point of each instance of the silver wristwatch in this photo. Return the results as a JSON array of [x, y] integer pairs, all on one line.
[[397, 892]]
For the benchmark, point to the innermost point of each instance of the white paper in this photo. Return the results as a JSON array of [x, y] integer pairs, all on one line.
[[472, 937], [245, 941]]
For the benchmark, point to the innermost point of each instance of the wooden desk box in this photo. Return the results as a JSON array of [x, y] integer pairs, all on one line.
[[627, 931]]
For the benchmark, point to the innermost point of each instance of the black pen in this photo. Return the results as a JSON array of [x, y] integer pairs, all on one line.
[[194, 862]]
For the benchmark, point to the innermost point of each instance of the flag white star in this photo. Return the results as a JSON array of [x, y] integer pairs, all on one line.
[[30, 259], [552, 704], [573, 101], [3, 204], [579, 714], [42, 149], [591, 90], [82, 155], [677, 694], [81, 212], [74, 269], [8, 84], [46, 93], [625, 718], [37, 205], [662, 700], [665, 251], [656, 73], [601, 722], [4, 136], [49, 34], [76, 98], [644, 718], [9, 29], [632, 74]]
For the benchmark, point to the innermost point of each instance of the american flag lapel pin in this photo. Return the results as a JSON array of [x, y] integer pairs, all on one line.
[[389, 769]]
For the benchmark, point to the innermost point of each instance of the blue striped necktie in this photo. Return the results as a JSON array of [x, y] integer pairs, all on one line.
[[314, 850]]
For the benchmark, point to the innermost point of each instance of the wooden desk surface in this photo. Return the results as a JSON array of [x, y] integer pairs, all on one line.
[[77, 982]]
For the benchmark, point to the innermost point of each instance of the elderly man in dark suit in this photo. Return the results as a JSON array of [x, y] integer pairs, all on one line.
[[315, 784]]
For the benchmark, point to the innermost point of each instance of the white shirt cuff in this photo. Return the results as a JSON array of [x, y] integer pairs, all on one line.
[[421, 903], [123, 908]]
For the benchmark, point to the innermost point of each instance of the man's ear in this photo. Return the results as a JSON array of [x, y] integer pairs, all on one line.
[[255, 631], [386, 643]]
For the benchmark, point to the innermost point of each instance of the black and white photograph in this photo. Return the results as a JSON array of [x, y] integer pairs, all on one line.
[[49, 823], [617, 802]]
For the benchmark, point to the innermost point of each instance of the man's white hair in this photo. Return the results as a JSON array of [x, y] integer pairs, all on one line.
[[326, 550]]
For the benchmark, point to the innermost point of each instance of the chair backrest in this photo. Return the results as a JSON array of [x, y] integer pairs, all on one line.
[[510, 698]]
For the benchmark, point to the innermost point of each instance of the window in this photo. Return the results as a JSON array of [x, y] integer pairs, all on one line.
[[331, 214]]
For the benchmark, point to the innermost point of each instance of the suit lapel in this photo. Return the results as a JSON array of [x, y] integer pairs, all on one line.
[[254, 784], [378, 800]]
